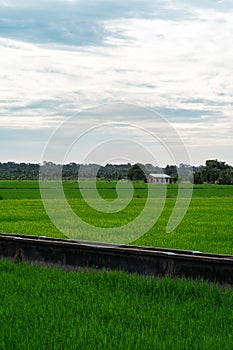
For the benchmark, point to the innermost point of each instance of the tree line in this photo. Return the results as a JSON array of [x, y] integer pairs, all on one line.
[[214, 171]]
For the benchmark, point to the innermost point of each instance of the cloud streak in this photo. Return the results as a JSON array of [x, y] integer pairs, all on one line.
[[59, 60]]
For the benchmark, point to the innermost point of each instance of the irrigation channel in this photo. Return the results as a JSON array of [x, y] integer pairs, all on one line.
[[143, 260]]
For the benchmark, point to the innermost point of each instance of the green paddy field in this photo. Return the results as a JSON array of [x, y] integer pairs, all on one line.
[[48, 308], [44, 308], [207, 225]]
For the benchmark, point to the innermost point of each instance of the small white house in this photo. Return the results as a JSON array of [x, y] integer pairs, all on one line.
[[159, 178]]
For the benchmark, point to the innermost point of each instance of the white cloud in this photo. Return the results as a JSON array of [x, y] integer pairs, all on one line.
[[164, 64]]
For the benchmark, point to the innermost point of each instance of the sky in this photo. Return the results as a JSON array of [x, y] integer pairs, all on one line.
[[155, 74]]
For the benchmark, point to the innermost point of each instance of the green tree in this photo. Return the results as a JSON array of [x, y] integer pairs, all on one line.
[[171, 170], [226, 177], [213, 169], [137, 172], [198, 177]]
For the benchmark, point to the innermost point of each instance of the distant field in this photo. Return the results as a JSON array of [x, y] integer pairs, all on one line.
[[207, 226], [30, 189], [45, 308]]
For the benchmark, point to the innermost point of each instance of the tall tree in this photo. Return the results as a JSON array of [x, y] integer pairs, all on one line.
[[137, 172]]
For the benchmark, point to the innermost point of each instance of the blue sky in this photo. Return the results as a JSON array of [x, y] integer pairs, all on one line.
[[60, 58]]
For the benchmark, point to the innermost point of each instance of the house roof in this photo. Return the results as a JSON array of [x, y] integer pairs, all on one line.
[[160, 176]]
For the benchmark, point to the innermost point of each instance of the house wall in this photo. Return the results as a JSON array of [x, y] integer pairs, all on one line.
[[159, 180]]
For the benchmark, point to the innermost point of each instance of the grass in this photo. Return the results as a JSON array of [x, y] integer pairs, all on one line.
[[107, 189], [207, 226], [44, 308]]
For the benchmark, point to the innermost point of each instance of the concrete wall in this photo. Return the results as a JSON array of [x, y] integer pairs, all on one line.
[[143, 260]]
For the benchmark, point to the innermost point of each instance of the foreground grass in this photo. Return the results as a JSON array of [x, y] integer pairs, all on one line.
[[44, 308]]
